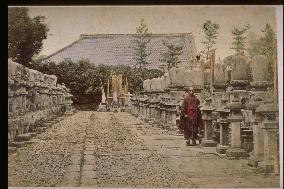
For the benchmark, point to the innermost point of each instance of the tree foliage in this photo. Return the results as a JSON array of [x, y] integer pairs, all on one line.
[[25, 35], [210, 30], [239, 42], [171, 57], [264, 45], [142, 39]]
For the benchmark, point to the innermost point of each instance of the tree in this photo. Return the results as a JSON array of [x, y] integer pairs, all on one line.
[[142, 39], [170, 58], [239, 39], [210, 30], [265, 45], [25, 35], [268, 46], [253, 45]]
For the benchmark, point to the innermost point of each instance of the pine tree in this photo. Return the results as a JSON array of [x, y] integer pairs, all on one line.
[[171, 57], [142, 39], [239, 39], [210, 30], [268, 48]]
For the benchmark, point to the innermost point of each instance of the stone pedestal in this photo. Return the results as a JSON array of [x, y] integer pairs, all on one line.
[[207, 110], [224, 137], [258, 143], [270, 128], [173, 117], [157, 114], [271, 153], [151, 111], [163, 116], [235, 151]]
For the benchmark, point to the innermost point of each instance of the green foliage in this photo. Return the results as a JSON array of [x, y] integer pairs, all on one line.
[[170, 58], [239, 38], [210, 30], [265, 45], [25, 35], [85, 79], [142, 38], [253, 45]]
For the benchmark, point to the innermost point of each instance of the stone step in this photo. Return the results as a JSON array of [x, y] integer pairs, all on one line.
[[33, 134], [23, 137], [247, 136], [12, 149], [18, 144], [247, 131]]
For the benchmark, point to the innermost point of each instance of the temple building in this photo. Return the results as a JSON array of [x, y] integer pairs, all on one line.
[[117, 49]]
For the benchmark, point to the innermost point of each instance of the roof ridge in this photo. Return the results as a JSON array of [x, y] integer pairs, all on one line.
[[130, 34]]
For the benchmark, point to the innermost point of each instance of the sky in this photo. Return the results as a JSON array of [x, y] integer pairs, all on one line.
[[66, 24]]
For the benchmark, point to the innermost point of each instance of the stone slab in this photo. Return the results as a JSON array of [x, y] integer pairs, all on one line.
[[208, 143], [221, 149], [236, 153]]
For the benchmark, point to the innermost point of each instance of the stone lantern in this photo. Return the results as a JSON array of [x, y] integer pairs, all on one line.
[[268, 122], [207, 118], [235, 151]]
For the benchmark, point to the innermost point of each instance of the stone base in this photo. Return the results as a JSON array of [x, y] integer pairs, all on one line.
[[33, 134], [23, 137], [252, 162], [68, 113], [221, 149], [208, 143], [266, 166], [18, 144], [236, 153], [102, 108], [12, 149]]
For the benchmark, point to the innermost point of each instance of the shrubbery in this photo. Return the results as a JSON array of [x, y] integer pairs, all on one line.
[[85, 79]]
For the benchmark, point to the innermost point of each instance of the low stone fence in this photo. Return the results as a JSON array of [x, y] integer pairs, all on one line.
[[33, 99]]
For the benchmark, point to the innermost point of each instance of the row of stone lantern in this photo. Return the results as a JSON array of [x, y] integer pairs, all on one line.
[[247, 125], [161, 111], [264, 119], [33, 96]]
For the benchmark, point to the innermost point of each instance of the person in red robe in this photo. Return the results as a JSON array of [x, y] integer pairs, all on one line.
[[192, 114]]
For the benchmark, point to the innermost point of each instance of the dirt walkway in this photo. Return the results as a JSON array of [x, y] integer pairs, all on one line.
[[106, 149]]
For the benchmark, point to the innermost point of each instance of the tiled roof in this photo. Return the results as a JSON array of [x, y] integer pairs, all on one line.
[[114, 49]]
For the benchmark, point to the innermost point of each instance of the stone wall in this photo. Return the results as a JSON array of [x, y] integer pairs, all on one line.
[[33, 99]]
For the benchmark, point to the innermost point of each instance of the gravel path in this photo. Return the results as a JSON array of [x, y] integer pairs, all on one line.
[[105, 149], [43, 162], [120, 157]]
